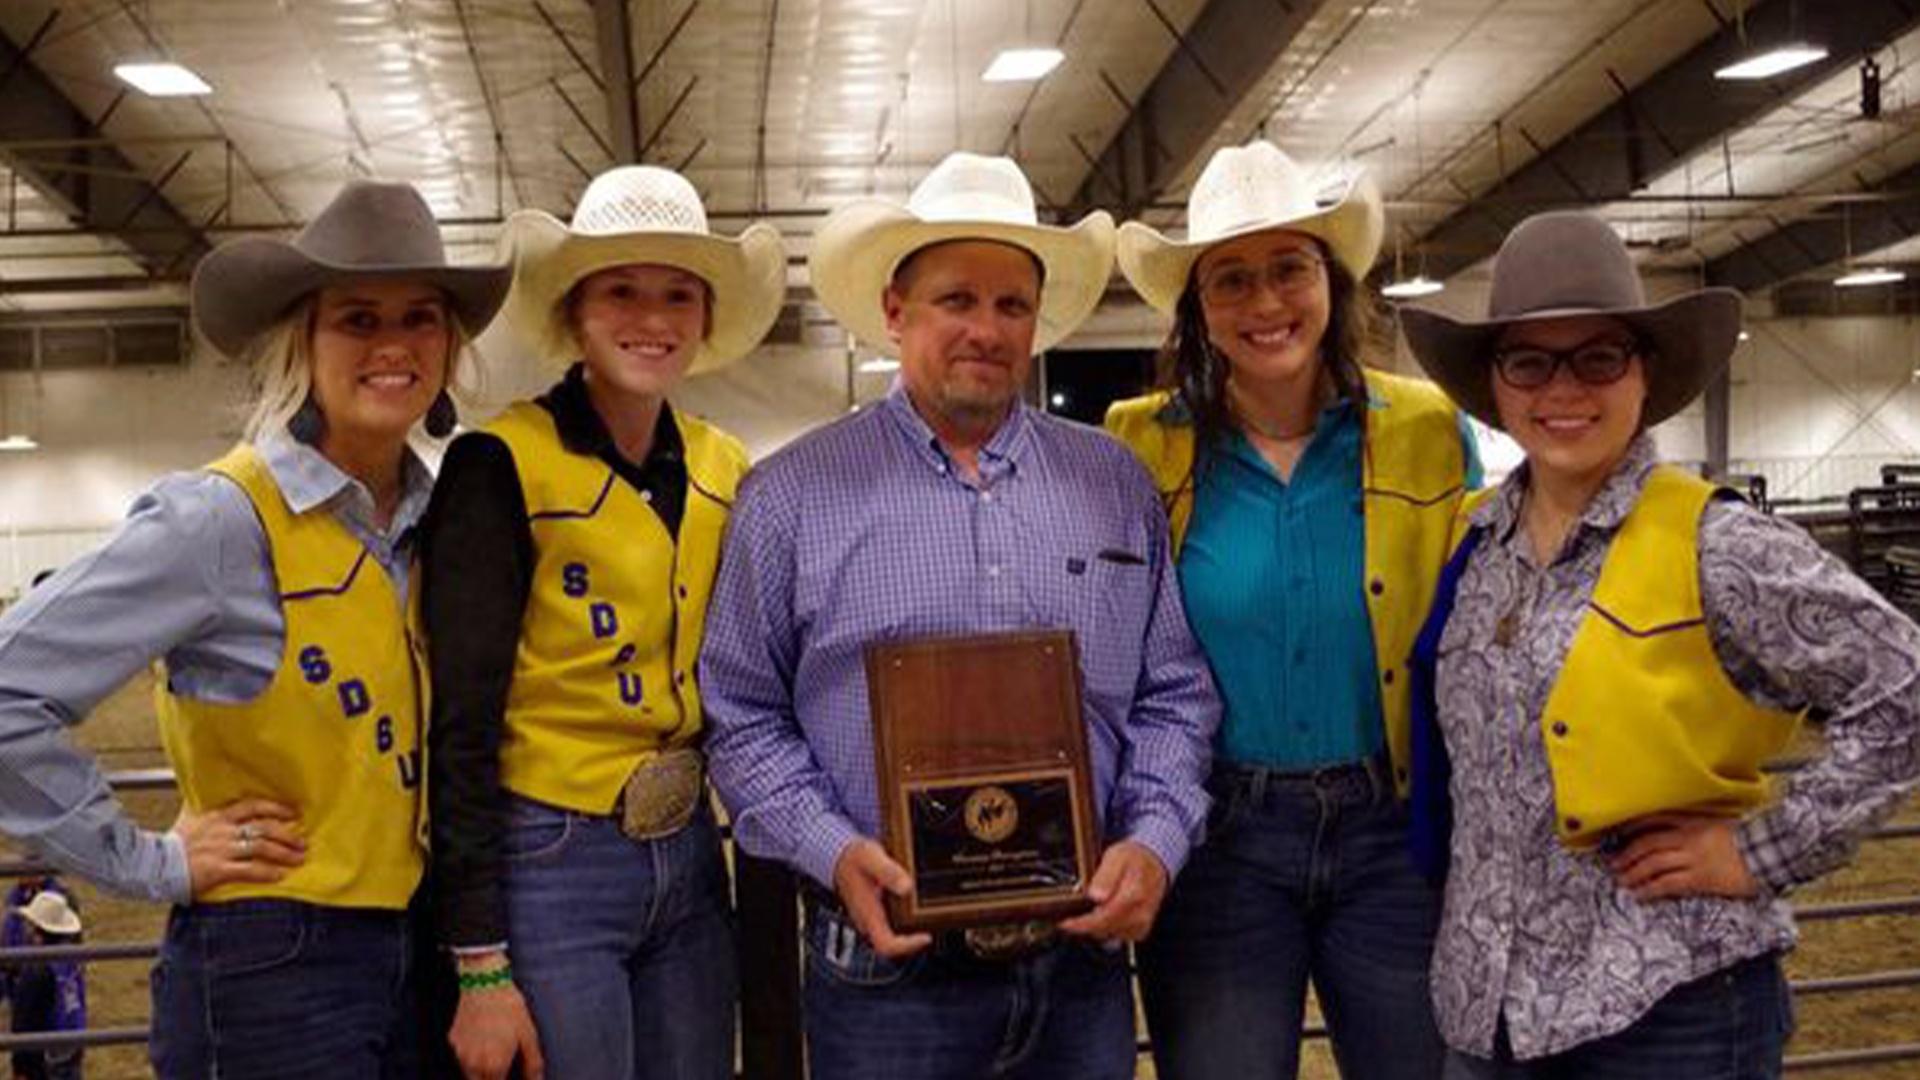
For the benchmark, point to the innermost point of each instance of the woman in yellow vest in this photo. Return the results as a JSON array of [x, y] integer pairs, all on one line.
[[273, 586], [1616, 650], [1310, 500], [569, 555]]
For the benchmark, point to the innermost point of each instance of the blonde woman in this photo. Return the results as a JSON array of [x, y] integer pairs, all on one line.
[[569, 554], [273, 585]]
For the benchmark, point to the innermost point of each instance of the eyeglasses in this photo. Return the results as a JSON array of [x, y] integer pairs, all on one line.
[[1291, 272], [1595, 363]]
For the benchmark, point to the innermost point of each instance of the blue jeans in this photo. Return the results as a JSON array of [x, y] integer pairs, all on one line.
[[280, 990], [1730, 1025], [624, 949], [1300, 877], [1061, 1014]]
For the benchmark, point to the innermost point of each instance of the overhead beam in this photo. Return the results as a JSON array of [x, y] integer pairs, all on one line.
[[613, 31], [91, 181], [1229, 47], [1679, 111], [1825, 238]]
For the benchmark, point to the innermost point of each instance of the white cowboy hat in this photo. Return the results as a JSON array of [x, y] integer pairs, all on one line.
[[1244, 190], [50, 911], [643, 214], [965, 197]]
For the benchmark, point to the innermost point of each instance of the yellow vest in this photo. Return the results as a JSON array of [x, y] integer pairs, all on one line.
[[603, 678], [1413, 472], [336, 734], [1642, 717]]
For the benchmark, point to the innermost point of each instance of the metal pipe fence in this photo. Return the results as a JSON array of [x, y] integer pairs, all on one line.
[[782, 1014]]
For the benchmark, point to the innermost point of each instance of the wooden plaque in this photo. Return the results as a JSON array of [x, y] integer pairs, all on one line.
[[986, 793]]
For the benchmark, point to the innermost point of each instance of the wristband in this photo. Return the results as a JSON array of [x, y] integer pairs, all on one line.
[[486, 980]]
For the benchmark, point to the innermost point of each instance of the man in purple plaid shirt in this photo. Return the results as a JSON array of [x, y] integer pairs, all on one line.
[[950, 507]]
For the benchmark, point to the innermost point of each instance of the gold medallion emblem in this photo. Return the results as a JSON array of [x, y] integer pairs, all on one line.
[[991, 814]]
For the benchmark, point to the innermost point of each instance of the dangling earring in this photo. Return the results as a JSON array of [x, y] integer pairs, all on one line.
[[442, 416], [308, 424]]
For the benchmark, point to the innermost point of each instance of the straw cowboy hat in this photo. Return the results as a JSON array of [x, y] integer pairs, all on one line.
[[965, 197], [643, 214], [1245, 190], [1569, 262], [50, 911], [369, 230]]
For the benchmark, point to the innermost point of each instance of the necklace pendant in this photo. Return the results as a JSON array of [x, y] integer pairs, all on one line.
[[1504, 629]]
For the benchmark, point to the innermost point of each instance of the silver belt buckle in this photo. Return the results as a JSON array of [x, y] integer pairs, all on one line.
[[1009, 941], [662, 794]]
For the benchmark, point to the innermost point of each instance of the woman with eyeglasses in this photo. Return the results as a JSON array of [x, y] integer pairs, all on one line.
[[1616, 649], [1310, 501]]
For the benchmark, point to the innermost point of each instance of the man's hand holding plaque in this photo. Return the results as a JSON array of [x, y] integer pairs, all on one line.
[[1126, 892], [864, 878]]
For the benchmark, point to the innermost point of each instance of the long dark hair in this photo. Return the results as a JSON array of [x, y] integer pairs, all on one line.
[[1196, 372]]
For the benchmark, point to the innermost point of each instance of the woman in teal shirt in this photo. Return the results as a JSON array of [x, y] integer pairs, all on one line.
[[1310, 501]]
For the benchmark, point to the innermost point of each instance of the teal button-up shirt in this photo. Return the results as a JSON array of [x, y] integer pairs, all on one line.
[[1273, 572]]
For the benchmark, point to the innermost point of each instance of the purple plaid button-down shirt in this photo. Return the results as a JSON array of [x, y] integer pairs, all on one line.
[[863, 531]]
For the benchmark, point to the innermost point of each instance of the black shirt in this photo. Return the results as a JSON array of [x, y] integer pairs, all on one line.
[[477, 562]]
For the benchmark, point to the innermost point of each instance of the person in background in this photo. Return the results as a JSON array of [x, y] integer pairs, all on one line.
[[569, 553], [273, 586], [1617, 649], [1311, 500], [48, 996]]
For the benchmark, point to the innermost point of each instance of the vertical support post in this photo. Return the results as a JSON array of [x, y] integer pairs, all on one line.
[[613, 27], [1719, 409]]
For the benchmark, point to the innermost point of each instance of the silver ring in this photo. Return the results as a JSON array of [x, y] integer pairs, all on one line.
[[248, 834]]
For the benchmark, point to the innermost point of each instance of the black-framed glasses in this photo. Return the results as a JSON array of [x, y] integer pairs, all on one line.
[[1594, 363], [1287, 272]]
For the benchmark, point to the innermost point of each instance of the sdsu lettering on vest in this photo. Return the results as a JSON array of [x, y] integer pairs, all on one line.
[[604, 673], [336, 735]]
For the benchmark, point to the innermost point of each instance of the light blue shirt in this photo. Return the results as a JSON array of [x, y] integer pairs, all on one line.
[[1273, 573], [189, 577]]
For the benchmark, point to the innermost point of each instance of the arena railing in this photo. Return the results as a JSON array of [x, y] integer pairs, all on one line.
[[770, 1019]]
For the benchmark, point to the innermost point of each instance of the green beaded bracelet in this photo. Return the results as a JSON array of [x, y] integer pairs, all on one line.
[[486, 980]]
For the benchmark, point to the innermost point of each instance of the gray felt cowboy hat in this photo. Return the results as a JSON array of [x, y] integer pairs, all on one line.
[[369, 230], [1570, 262]]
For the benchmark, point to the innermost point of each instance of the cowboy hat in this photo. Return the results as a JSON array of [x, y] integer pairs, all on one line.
[[1568, 263], [369, 230], [965, 197], [1245, 190], [643, 214], [50, 911]]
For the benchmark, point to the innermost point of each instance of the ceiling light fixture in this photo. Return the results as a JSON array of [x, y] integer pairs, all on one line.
[[162, 79], [1412, 288], [1871, 276], [18, 442], [1766, 65], [1022, 65]]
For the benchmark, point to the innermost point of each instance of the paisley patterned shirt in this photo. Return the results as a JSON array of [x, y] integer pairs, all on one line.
[[1540, 935]]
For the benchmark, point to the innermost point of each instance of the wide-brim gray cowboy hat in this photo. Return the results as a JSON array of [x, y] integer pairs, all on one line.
[[1571, 263], [965, 197], [643, 214], [1245, 190], [370, 230]]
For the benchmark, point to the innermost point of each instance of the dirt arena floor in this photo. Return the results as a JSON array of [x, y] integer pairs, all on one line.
[[122, 733]]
